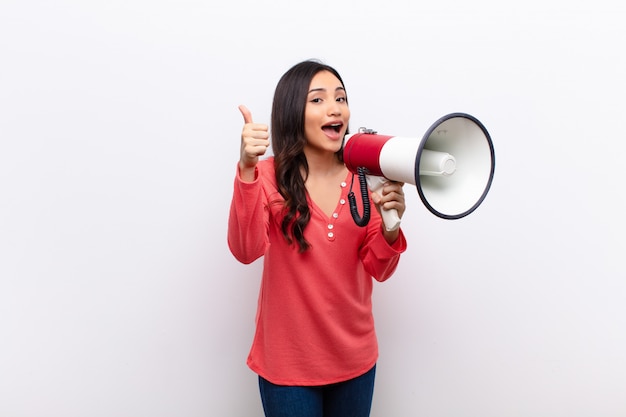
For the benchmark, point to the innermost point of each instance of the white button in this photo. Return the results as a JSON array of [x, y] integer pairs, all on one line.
[[330, 235], [330, 226], [335, 215], [342, 201], [343, 184]]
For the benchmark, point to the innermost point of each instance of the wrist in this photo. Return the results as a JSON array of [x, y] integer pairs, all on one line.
[[390, 236], [247, 173]]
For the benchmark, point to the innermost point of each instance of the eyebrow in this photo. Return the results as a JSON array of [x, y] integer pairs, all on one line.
[[313, 90]]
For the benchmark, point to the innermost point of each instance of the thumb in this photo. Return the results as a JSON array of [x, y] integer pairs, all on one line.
[[376, 197], [247, 116]]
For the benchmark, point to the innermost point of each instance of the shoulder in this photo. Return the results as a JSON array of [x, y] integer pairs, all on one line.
[[265, 168], [266, 171], [267, 174]]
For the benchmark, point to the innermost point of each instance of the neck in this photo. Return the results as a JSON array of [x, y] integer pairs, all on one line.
[[323, 164]]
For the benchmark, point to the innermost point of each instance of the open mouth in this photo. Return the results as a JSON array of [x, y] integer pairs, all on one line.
[[333, 127]]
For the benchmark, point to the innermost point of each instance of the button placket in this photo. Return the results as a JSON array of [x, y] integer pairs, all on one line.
[[330, 233]]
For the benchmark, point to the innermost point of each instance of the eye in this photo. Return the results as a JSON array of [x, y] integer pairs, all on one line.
[[316, 100], [341, 99]]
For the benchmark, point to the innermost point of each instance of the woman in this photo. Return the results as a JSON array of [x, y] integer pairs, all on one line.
[[315, 346]]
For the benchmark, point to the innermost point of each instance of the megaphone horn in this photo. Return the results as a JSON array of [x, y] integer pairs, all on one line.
[[452, 166]]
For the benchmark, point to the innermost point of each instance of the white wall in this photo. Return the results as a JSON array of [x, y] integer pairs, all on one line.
[[119, 135]]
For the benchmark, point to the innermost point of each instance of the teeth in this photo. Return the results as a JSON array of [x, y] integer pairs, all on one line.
[[335, 126]]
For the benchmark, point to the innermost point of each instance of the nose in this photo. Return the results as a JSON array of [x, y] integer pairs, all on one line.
[[334, 108]]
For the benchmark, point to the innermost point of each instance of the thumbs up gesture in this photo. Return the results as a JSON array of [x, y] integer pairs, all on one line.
[[254, 143]]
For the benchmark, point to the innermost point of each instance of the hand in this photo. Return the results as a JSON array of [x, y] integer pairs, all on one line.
[[254, 141], [391, 196]]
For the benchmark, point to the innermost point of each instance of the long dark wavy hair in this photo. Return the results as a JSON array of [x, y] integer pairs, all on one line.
[[288, 141]]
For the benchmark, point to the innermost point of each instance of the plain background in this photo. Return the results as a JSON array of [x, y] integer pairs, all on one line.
[[119, 137]]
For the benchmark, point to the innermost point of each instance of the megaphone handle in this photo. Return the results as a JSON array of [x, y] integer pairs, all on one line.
[[390, 217]]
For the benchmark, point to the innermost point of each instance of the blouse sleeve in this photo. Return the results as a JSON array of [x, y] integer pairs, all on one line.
[[378, 256], [248, 219]]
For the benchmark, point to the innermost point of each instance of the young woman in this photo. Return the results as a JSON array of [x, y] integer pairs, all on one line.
[[315, 346]]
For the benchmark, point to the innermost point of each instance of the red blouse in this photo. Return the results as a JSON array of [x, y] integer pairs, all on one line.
[[314, 323]]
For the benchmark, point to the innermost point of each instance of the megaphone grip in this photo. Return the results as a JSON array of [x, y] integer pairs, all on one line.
[[390, 217]]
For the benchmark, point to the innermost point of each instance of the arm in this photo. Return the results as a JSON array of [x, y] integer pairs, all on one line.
[[379, 257], [247, 221]]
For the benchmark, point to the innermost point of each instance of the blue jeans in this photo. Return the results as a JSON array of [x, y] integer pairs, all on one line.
[[352, 398]]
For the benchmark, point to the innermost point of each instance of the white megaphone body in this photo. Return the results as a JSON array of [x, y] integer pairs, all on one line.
[[452, 166]]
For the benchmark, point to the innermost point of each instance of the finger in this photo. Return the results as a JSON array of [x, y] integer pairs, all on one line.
[[392, 193], [247, 116], [255, 151], [394, 185], [392, 188]]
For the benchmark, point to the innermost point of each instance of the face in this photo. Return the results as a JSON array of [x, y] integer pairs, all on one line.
[[326, 114]]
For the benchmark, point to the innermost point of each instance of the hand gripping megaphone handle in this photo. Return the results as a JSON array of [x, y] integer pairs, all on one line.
[[390, 217]]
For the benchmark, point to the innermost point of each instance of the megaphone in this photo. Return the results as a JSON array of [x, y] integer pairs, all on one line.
[[452, 166]]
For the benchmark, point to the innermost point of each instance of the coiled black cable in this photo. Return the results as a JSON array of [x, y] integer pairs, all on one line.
[[360, 221]]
